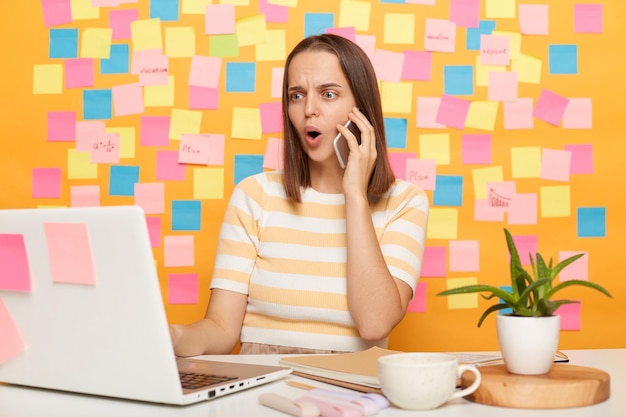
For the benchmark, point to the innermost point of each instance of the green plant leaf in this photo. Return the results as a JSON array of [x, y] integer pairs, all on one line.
[[572, 282], [505, 296], [559, 267], [491, 309], [517, 279]]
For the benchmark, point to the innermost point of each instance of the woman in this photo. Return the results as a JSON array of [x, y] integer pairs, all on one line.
[[316, 258]]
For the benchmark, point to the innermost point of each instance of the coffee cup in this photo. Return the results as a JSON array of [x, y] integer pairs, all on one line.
[[422, 380]]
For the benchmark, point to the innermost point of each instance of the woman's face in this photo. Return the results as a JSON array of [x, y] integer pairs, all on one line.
[[319, 98]]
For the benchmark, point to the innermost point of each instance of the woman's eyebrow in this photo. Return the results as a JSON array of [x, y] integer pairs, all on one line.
[[319, 87]]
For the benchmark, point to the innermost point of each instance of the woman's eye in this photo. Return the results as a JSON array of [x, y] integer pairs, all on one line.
[[329, 94], [296, 96]]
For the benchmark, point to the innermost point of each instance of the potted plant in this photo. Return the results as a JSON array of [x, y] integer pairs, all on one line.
[[528, 336]]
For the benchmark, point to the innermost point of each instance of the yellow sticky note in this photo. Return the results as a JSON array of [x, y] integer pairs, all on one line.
[[355, 14], [515, 42], [79, 165], [526, 162], [482, 176], [288, 3], [528, 69], [482, 114], [460, 301], [397, 97], [48, 79], [435, 146], [555, 201], [83, 10], [184, 121], [146, 34], [235, 2], [194, 6], [442, 223], [399, 28], [96, 43], [482, 72], [127, 140], [208, 183], [159, 95], [274, 49], [500, 9], [251, 30], [180, 42], [246, 123]]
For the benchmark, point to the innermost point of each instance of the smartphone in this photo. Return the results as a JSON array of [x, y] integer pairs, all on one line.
[[341, 145]]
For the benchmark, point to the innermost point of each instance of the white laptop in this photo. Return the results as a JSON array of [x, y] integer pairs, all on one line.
[[83, 293]]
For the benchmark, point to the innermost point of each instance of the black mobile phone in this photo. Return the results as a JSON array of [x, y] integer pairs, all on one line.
[[341, 145]]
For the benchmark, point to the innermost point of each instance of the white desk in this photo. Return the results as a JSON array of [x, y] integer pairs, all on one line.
[[28, 402]]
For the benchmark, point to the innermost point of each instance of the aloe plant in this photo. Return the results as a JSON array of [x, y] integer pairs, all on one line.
[[530, 297]]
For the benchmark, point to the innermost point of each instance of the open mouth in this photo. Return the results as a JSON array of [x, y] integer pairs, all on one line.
[[314, 134]]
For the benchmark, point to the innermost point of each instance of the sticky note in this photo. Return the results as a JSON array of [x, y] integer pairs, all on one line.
[[79, 165], [464, 256], [483, 212], [127, 140], [398, 161], [435, 147], [14, 268], [579, 269], [271, 117], [186, 215], [422, 172], [472, 41], [246, 165], [122, 180], [146, 34], [251, 30], [274, 48], [203, 98], [442, 223], [97, 104], [427, 110], [439, 35], [166, 10], [47, 79], [178, 251], [63, 43], [273, 13], [555, 201], [523, 209], [61, 126], [79, 73], [448, 190], [495, 50], [465, 13], [205, 71], [219, 19], [452, 112], [240, 77], [555, 164], [168, 168], [502, 86], [150, 196], [458, 80], [399, 28], [120, 22], [550, 107], [570, 316], [348, 33], [482, 114], [528, 68], [106, 150], [180, 42], [417, 65], [96, 43], [526, 162], [84, 10], [208, 183], [518, 114], [461, 301], [159, 95], [274, 153], [154, 230], [317, 23], [13, 342], [69, 253], [500, 9], [46, 183], [476, 148], [84, 196], [418, 302], [588, 18], [223, 46], [118, 61], [515, 42], [500, 194], [184, 121], [526, 247], [127, 99], [154, 130], [388, 65], [246, 123], [482, 176], [483, 72], [397, 97], [434, 261], [355, 13], [578, 114], [201, 149], [56, 12], [395, 131], [563, 59], [582, 158], [182, 289], [591, 221], [533, 19]]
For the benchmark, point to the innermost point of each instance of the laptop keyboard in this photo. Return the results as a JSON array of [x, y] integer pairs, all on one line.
[[191, 380]]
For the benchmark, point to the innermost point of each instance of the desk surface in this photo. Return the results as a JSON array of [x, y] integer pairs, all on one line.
[[29, 402]]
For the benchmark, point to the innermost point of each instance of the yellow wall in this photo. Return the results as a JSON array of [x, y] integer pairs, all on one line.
[[23, 124]]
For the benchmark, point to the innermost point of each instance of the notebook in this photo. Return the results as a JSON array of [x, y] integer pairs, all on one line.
[[81, 310]]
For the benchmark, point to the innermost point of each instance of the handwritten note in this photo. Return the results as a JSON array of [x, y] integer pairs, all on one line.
[[69, 252], [422, 172], [439, 35]]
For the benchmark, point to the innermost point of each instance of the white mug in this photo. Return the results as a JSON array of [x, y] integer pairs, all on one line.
[[422, 380]]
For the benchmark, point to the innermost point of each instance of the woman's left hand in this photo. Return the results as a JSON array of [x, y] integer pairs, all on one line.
[[362, 157]]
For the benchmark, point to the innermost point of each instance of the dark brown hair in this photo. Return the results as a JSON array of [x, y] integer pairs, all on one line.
[[360, 73]]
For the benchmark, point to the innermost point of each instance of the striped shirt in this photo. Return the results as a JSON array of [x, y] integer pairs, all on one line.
[[290, 259]]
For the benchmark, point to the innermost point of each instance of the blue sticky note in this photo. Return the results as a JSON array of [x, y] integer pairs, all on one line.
[[458, 80], [97, 104], [186, 214], [472, 41], [591, 222], [393, 1], [317, 23], [240, 77], [122, 179], [118, 61], [509, 289], [246, 165], [395, 131], [166, 10], [63, 43], [563, 59], [448, 190]]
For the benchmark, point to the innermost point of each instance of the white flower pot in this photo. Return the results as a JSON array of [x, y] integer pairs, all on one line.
[[528, 344]]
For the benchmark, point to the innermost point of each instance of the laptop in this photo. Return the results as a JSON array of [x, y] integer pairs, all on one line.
[[81, 310]]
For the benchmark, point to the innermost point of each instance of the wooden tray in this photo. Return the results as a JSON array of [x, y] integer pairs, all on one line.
[[565, 386]]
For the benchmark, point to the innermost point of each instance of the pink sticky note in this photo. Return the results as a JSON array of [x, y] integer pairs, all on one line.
[[519, 114], [427, 110], [417, 65], [151, 66], [178, 251], [388, 65], [277, 82], [440, 35], [120, 21], [500, 194], [183, 288], [205, 71], [127, 99], [550, 107], [588, 18], [274, 153], [168, 168], [533, 19], [201, 149], [14, 268], [203, 98], [453, 111], [46, 183], [88, 132], [85, 196], [464, 256], [578, 114], [555, 164], [69, 253], [61, 126], [476, 148], [219, 19], [106, 150], [418, 303], [495, 50], [271, 117], [367, 44], [502, 86], [397, 160], [347, 32], [56, 12], [582, 158], [523, 209], [13, 342], [526, 246], [570, 316], [155, 131], [150, 196], [422, 172], [273, 13], [154, 231], [465, 13], [434, 261], [483, 212], [79, 72], [579, 269]]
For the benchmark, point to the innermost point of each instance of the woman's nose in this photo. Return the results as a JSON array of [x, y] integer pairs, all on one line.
[[310, 107]]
